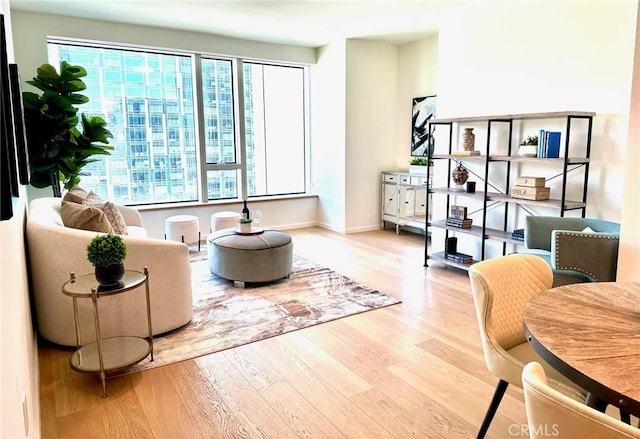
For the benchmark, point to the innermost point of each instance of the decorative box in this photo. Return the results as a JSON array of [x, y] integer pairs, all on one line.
[[530, 181], [531, 193], [459, 212]]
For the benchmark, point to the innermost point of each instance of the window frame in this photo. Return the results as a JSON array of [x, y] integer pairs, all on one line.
[[237, 77]]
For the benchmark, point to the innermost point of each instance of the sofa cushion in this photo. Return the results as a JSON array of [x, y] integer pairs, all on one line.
[[84, 217]]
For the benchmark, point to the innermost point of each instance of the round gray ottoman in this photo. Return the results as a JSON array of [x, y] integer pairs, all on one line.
[[261, 257]]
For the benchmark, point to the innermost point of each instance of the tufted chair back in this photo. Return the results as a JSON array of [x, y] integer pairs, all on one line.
[[552, 414], [501, 287]]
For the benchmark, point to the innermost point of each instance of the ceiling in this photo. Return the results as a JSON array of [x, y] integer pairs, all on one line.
[[310, 23]]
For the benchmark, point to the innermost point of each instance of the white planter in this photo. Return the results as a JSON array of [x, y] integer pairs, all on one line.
[[420, 170], [245, 227]]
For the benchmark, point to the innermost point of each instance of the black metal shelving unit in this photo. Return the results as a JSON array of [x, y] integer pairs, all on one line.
[[491, 195]]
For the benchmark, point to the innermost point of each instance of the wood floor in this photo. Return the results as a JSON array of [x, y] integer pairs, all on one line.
[[413, 370]]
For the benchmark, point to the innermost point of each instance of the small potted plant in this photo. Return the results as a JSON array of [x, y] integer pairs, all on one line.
[[106, 253], [529, 147], [418, 165], [245, 225]]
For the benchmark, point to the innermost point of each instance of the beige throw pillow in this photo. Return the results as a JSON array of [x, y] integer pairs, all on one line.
[[76, 195], [84, 217], [110, 210]]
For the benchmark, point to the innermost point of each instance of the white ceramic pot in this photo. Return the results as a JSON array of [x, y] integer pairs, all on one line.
[[528, 150], [419, 169]]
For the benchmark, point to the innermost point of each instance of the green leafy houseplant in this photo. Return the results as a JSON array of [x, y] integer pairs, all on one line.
[[530, 140], [246, 220], [106, 250], [58, 149], [419, 161]]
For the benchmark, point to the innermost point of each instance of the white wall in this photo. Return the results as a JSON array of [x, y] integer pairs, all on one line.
[[490, 63], [495, 65], [629, 256], [370, 113], [18, 348], [328, 136], [417, 76], [287, 213]]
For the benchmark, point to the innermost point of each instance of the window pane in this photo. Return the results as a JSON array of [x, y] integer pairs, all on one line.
[[147, 100], [222, 184], [275, 129], [217, 92]]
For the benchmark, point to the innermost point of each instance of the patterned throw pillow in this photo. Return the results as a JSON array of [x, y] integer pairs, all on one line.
[[94, 198], [110, 210]]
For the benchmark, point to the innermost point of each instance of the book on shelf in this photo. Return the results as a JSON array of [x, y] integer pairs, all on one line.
[[548, 144], [540, 144], [461, 223], [552, 144], [466, 153], [518, 234], [459, 257]]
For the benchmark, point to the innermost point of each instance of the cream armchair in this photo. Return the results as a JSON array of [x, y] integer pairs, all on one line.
[[501, 287], [55, 250], [552, 414], [574, 254]]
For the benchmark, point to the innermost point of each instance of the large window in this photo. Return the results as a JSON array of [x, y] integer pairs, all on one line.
[[149, 99]]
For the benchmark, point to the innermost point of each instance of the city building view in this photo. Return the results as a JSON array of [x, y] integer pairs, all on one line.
[[148, 101]]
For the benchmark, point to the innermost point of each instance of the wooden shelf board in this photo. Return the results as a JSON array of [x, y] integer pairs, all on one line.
[[439, 256], [549, 115], [512, 158], [569, 205]]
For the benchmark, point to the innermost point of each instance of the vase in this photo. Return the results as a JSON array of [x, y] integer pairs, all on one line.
[[460, 176], [245, 227], [109, 275], [528, 151], [468, 139]]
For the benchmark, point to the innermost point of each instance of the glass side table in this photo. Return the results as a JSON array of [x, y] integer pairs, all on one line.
[[113, 353]]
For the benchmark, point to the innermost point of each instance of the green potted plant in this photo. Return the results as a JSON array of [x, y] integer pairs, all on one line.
[[107, 253], [245, 225], [418, 165], [529, 147], [58, 148]]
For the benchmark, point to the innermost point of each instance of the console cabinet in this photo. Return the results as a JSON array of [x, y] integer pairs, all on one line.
[[404, 200], [502, 164]]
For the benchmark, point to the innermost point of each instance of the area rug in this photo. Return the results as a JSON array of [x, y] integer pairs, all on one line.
[[226, 316]]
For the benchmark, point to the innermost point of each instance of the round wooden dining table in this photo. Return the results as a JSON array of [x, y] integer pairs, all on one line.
[[590, 332]]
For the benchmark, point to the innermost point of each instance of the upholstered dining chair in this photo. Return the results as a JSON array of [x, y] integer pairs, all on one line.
[[577, 249], [501, 287], [552, 414]]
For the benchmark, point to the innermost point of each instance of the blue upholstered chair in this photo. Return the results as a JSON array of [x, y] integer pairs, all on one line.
[[575, 253]]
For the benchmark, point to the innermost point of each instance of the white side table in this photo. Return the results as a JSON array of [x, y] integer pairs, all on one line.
[[183, 228], [224, 220]]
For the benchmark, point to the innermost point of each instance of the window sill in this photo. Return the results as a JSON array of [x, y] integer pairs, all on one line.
[[191, 204]]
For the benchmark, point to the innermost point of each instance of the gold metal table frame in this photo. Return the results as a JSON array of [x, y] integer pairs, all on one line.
[[113, 353]]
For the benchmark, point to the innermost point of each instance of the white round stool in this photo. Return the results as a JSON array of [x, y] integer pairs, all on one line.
[[224, 220], [182, 228]]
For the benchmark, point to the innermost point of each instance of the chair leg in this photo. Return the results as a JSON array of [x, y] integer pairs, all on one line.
[[491, 411]]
